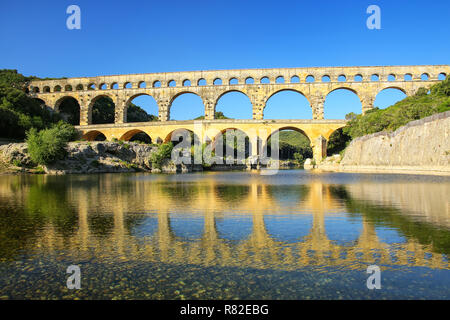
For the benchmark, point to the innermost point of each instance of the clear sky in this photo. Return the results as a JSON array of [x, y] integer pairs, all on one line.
[[120, 37]]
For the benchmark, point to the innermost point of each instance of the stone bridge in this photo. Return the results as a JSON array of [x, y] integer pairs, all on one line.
[[257, 84]]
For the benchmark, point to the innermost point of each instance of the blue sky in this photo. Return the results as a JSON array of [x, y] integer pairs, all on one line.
[[120, 37]]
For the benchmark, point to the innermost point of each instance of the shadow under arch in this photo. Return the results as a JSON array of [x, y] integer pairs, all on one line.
[[102, 109], [180, 133], [237, 105], [283, 93], [69, 109], [286, 152], [131, 135], [93, 135], [238, 134]]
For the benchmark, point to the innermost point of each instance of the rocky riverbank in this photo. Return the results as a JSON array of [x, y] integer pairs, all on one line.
[[420, 147], [89, 157]]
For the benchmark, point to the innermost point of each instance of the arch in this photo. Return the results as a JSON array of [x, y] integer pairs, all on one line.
[[136, 135], [46, 89], [57, 88], [103, 86], [186, 83], [69, 109], [233, 81], [142, 84], [264, 80], [114, 86], [442, 76], [374, 77], [295, 79], [234, 104], [186, 105], [341, 101], [217, 82], [94, 135], [127, 85], [156, 84], [279, 79], [337, 142], [68, 87], [171, 83], [41, 102], [391, 77], [407, 77], [342, 78], [36, 89], [358, 78], [326, 78], [102, 108], [249, 80], [201, 82], [141, 107], [389, 96], [237, 148], [287, 104], [91, 86], [178, 132], [424, 76], [310, 79], [79, 87], [290, 142]]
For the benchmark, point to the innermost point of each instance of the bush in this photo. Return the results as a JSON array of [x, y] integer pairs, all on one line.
[[164, 152], [48, 145]]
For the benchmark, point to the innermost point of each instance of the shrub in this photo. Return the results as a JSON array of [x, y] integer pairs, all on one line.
[[164, 152], [48, 145]]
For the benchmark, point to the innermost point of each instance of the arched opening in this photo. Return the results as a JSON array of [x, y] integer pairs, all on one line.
[[249, 80], [388, 97], [103, 86], [287, 104], [424, 77], [391, 77], [94, 135], [326, 78], [374, 77], [57, 89], [235, 143], [233, 81], [157, 84], [293, 144], [358, 78], [187, 106], [136, 136], [142, 85], [217, 82], [115, 86], [342, 78], [36, 89], [235, 105], [201, 82], [172, 83], [408, 77], [310, 79], [103, 110], [142, 108], [340, 102], [279, 79], [91, 86], [80, 87], [40, 101], [442, 76], [264, 80], [186, 83], [46, 89], [68, 88], [337, 142], [295, 79], [127, 85], [69, 109], [177, 136]]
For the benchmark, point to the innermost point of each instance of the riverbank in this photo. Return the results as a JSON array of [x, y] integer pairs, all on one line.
[[420, 147]]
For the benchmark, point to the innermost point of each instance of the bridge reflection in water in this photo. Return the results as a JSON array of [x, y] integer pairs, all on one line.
[[137, 217]]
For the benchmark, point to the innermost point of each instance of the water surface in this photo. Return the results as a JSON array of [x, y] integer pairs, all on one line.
[[229, 235]]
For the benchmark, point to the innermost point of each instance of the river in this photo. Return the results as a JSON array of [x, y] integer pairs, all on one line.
[[225, 235]]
